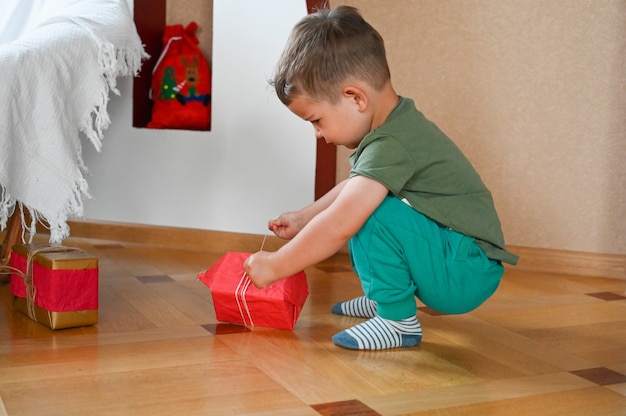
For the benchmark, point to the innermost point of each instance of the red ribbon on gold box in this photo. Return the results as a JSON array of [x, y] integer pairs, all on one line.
[[237, 301], [55, 285]]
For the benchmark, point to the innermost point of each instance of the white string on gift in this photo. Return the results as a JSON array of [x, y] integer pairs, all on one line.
[[244, 284]]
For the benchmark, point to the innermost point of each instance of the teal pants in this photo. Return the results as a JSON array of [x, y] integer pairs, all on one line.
[[400, 254]]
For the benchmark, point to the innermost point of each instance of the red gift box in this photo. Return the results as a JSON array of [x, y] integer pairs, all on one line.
[[236, 300], [55, 285]]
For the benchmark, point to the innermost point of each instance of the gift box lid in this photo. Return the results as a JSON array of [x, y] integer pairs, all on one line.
[[66, 258]]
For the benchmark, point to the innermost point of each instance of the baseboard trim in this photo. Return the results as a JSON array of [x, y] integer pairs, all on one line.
[[173, 237], [531, 259], [570, 262]]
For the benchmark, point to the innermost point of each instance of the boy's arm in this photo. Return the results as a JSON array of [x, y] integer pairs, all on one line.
[[323, 235]]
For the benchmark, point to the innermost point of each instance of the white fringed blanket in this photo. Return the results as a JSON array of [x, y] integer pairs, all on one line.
[[56, 82]]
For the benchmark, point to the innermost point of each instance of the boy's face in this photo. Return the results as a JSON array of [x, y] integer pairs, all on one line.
[[341, 123]]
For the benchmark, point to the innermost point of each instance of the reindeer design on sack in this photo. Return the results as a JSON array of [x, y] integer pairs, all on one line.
[[190, 84]]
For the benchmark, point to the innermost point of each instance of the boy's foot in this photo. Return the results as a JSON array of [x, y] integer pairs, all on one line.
[[380, 333], [360, 307]]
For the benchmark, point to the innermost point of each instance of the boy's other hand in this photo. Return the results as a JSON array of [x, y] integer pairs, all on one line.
[[287, 225]]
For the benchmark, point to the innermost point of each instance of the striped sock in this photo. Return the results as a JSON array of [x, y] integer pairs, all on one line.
[[380, 333], [360, 307]]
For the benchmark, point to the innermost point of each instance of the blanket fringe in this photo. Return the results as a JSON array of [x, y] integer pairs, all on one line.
[[7, 205], [57, 226], [113, 61]]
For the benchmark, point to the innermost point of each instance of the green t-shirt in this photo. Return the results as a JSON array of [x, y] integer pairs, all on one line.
[[418, 163]]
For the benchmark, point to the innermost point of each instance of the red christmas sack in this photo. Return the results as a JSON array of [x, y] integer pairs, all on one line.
[[237, 301], [181, 82]]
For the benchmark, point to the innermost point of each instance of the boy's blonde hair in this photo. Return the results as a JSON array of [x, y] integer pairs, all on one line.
[[324, 50]]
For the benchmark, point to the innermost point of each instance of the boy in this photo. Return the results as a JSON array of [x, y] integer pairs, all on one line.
[[418, 219]]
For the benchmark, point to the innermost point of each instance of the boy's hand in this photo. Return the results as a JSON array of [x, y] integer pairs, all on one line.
[[287, 225], [259, 268]]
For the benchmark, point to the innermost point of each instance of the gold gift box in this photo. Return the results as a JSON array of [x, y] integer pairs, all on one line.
[[58, 320], [58, 260], [65, 259]]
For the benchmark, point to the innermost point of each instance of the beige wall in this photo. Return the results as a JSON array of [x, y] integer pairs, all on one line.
[[534, 93]]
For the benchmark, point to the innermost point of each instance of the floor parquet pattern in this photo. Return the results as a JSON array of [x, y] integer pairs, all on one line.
[[544, 344]]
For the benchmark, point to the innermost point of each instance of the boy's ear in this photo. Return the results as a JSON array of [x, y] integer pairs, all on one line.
[[357, 95]]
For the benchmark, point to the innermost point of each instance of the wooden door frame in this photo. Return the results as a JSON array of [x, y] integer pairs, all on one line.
[[326, 156]]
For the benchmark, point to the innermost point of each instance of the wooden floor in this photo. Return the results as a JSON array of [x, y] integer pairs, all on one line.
[[545, 344]]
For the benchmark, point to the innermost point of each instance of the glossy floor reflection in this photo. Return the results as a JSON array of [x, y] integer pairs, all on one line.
[[545, 344]]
